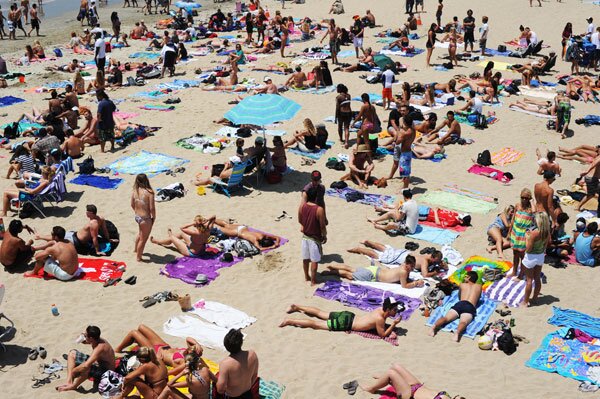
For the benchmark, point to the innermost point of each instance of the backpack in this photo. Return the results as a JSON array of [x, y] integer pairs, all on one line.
[[484, 158], [480, 122], [139, 81], [506, 342], [373, 79], [245, 249], [12, 130], [87, 166], [58, 52], [335, 165]]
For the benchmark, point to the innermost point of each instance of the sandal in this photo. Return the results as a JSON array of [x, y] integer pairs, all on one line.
[[33, 354], [131, 280], [352, 387], [40, 382], [111, 281], [41, 351]]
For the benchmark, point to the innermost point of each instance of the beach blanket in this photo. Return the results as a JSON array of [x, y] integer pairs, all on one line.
[[101, 182], [364, 298], [574, 319], [507, 290], [23, 126], [145, 54], [566, 357], [222, 315], [401, 53], [505, 156], [469, 192], [492, 52], [158, 107], [10, 100], [479, 264], [316, 155], [178, 84], [369, 199], [498, 65], [547, 93], [435, 235], [228, 131], [149, 94], [93, 269], [491, 119], [524, 111], [390, 339], [57, 85], [150, 163], [374, 97], [456, 201], [204, 144], [490, 172], [394, 288], [485, 308], [207, 334], [318, 90], [125, 115], [447, 44]]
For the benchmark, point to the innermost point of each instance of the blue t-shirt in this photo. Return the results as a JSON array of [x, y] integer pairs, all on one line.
[[106, 109]]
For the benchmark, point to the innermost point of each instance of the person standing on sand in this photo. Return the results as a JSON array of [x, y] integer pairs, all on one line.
[[314, 234], [143, 205], [35, 20], [537, 241], [25, 10], [469, 28], [106, 122], [238, 373], [334, 46], [544, 195]]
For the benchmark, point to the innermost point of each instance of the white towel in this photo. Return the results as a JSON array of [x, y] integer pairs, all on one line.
[[207, 334], [395, 288], [222, 315], [524, 111]]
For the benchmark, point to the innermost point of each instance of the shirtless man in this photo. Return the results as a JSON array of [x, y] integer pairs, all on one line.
[[592, 185], [402, 150], [430, 265], [348, 321], [544, 195], [55, 103], [14, 252], [70, 100], [80, 366], [59, 258], [548, 163], [137, 32], [385, 254], [361, 165], [260, 240], [333, 32], [268, 88], [453, 131], [465, 310], [380, 274], [298, 79], [428, 125], [238, 373], [72, 146]]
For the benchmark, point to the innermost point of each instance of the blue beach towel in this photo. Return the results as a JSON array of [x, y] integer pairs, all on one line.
[[312, 155], [102, 182], [150, 163], [145, 54], [374, 97], [434, 235], [574, 319], [10, 100], [485, 308]]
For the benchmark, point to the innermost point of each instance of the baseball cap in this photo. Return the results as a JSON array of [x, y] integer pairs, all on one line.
[[267, 78], [235, 159], [315, 175]]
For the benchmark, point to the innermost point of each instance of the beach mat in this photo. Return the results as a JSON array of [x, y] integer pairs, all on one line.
[[207, 334], [485, 308], [369, 199], [10, 100], [434, 235], [508, 291], [461, 203], [506, 156], [101, 182], [364, 298], [92, 269], [150, 163]]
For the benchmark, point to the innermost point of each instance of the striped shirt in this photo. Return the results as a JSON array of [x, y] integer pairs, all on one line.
[[27, 164]]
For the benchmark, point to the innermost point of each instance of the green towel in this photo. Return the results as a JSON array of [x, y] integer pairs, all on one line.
[[270, 389], [458, 202]]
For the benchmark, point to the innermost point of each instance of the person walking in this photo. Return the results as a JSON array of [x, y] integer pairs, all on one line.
[[143, 205], [35, 20], [314, 234]]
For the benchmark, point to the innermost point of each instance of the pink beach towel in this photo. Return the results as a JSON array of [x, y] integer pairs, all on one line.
[[391, 339], [487, 171]]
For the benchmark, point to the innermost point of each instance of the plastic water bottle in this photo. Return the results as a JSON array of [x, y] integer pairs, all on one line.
[[54, 310]]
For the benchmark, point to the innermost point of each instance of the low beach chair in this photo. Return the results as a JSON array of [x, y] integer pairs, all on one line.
[[4, 331], [53, 194], [235, 180]]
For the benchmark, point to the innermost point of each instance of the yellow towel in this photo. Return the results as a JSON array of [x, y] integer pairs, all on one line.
[[498, 65]]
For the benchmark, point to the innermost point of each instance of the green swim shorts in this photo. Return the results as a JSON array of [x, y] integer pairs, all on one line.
[[340, 321]]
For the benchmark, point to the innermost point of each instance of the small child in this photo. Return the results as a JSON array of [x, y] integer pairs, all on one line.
[[239, 150]]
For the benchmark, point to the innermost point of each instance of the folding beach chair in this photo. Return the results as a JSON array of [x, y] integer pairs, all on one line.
[[235, 181], [4, 331], [53, 194]]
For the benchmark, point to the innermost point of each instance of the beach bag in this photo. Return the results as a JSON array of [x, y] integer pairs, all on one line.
[[111, 384], [58, 52], [244, 132], [484, 158], [339, 185], [335, 164], [480, 122], [87, 166], [551, 124], [245, 249], [12, 130], [501, 48], [506, 342], [139, 81], [373, 79]]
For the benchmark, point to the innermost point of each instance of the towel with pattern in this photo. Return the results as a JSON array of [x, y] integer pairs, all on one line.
[[158, 107], [574, 319], [506, 155], [364, 298], [390, 339], [435, 235], [150, 163], [479, 264], [313, 90], [270, 389], [485, 308], [468, 192], [456, 201], [507, 290], [369, 199], [92, 269], [228, 131]]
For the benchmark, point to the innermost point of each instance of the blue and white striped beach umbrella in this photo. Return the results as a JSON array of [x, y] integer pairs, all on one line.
[[262, 110]]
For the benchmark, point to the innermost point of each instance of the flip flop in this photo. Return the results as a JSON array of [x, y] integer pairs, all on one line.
[[353, 387], [42, 351], [348, 384], [131, 280], [40, 382], [587, 386], [33, 354], [111, 281], [149, 302]]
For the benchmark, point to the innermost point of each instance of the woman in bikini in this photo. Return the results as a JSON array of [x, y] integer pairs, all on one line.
[[405, 384], [539, 107], [406, 92], [584, 153], [368, 116], [142, 203], [343, 113], [522, 221], [284, 33], [278, 157], [566, 38], [498, 232], [260, 240], [428, 97], [97, 84], [150, 378], [453, 38], [172, 357], [198, 380], [305, 140], [78, 83], [430, 42], [193, 238], [584, 87], [523, 38]]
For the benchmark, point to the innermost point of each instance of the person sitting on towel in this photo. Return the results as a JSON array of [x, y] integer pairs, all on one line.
[[59, 258], [449, 136], [465, 310], [380, 274], [348, 321], [14, 252], [361, 166], [405, 218], [260, 240], [238, 373]]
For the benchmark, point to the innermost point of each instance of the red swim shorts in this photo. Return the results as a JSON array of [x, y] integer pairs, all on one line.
[[387, 94]]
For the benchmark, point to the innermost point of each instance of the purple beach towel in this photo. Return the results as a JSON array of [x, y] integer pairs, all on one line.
[[364, 298]]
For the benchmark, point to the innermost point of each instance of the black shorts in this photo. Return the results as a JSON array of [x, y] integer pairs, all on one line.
[[21, 259], [19, 24], [592, 185], [469, 37], [344, 119], [464, 307], [100, 63], [35, 23]]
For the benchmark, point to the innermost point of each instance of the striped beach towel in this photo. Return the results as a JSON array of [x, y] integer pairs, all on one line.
[[507, 290], [506, 155]]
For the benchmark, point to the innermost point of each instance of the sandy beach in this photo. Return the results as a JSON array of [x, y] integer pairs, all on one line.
[[309, 363]]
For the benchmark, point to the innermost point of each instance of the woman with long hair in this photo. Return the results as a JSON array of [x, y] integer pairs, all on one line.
[[116, 26], [566, 37], [142, 203], [498, 231], [522, 221], [35, 188], [430, 42], [197, 380], [193, 238], [343, 113], [305, 140], [368, 116], [78, 83], [536, 242], [150, 378]]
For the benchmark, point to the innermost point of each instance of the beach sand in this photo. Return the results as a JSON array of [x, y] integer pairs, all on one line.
[[309, 363]]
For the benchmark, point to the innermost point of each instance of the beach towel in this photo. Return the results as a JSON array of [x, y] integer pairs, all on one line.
[[93, 269], [178, 84], [228, 131], [447, 44], [456, 201], [524, 111], [23, 125], [158, 107], [101, 182], [574, 319], [498, 65], [508, 291], [505, 156], [207, 334], [10, 100], [547, 93], [149, 94], [485, 308], [395, 288], [492, 52], [369, 199], [145, 54], [390, 339], [270, 389], [374, 97], [491, 119], [401, 53], [435, 235], [385, 151], [469, 192], [487, 171], [312, 90], [150, 163], [316, 155], [364, 298], [204, 144], [222, 315], [479, 264], [563, 356]]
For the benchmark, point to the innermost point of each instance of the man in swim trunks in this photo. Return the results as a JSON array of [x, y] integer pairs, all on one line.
[[465, 310], [402, 150], [591, 177], [547, 163], [348, 321], [385, 254], [238, 373], [14, 252], [59, 258], [80, 366], [298, 79], [450, 135], [260, 240], [544, 195]]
